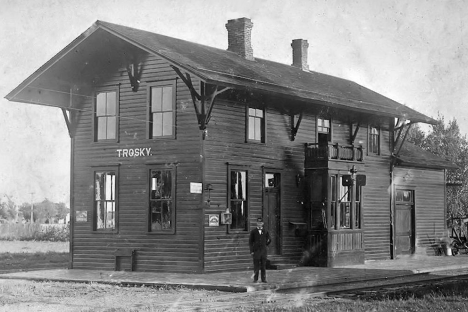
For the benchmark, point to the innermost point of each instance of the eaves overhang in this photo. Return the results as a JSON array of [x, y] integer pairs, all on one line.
[[67, 76]]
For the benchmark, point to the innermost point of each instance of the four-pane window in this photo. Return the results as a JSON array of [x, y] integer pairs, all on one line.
[[161, 116], [256, 125], [106, 111]]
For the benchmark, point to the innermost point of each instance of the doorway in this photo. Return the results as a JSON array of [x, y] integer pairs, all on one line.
[[404, 222], [272, 209]]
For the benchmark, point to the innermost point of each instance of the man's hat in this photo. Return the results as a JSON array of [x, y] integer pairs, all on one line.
[[259, 221]]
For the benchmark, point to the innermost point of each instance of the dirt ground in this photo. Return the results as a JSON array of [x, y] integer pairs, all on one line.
[[19, 295]]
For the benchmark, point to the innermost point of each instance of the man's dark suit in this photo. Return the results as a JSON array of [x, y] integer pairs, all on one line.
[[258, 248]]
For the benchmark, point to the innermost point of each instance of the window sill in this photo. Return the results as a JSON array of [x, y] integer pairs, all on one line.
[[105, 231], [162, 138], [255, 142], [162, 233], [234, 232]]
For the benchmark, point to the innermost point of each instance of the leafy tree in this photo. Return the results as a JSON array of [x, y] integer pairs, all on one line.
[[416, 136], [45, 211], [61, 211], [446, 141], [8, 209], [25, 209]]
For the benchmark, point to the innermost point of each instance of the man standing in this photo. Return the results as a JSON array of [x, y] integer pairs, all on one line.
[[258, 241]]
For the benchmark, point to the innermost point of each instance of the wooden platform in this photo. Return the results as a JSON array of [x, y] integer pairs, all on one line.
[[277, 279]]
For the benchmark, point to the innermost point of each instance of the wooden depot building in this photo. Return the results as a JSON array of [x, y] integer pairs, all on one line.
[[177, 148]]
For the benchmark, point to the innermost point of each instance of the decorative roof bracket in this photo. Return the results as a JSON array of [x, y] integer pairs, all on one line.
[[134, 70], [353, 135], [70, 118], [400, 127], [295, 127], [204, 102]]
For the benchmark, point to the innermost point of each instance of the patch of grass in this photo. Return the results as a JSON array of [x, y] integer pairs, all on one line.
[[33, 246], [31, 261], [34, 232]]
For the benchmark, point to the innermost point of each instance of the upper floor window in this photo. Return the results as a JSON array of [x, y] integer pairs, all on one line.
[[105, 200], [324, 131], [162, 111], [374, 140], [106, 116], [256, 125], [161, 201], [237, 194]]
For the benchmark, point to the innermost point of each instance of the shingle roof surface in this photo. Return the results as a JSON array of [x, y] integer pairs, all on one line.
[[412, 155], [225, 67]]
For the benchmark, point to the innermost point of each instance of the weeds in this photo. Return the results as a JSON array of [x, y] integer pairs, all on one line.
[[35, 232]]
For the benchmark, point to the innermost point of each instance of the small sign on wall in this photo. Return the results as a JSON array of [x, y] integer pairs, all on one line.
[[196, 188], [81, 216], [213, 220], [226, 218]]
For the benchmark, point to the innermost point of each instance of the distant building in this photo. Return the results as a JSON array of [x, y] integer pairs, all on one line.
[[177, 148]]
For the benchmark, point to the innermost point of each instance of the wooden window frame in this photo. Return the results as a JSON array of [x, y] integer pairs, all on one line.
[[246, 200], [173, 171], [355, 217], [263, 125], [98, 91], [106, 169], [334, 201], [330, 134], [350, 201], [149, 128], [370, 151]]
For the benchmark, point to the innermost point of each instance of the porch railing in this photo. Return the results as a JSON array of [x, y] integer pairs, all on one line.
[[314, 151]]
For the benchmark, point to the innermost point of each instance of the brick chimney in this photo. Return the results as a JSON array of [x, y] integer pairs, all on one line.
[[239, 37], [299, 47]]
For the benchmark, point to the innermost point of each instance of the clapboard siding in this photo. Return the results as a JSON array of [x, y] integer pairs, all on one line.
[[155, 252], [429, 189], [226, 144], [195, 246]]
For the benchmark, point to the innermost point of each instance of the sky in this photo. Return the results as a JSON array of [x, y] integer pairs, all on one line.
[[412, 51]]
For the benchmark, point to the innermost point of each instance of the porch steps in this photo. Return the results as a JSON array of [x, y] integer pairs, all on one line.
[[276, 262]]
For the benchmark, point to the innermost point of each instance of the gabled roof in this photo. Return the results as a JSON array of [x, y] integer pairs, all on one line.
[[225, 68], [414, 156]]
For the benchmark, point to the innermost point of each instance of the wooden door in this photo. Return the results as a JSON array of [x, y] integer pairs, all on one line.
[[272, 211], [404, 222]]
